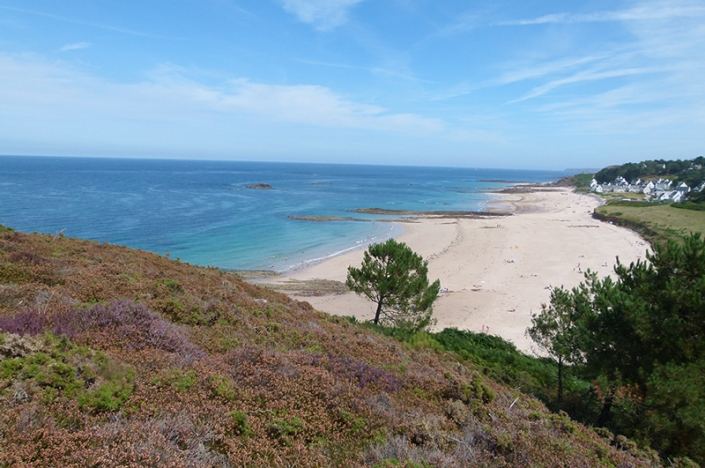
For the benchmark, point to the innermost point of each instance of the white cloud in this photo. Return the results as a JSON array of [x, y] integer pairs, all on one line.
[[106, 27], [75, 46], [636, 90], [467, 22], [665, 54], [60, 95], [323, 15], [658, 10], [584, 76], [518, 72], [539, 70]]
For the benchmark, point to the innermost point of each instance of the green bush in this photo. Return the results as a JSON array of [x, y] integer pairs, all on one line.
[[499, 359], [284, 429], [240, 426], [183, 381], [64, 370], [224, 388], [689, 205], [110, 395]]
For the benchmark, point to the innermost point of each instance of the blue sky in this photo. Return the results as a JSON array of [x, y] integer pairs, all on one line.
[[524, 84]]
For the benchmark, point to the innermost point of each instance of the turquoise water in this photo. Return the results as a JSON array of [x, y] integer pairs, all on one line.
[[202, 212]]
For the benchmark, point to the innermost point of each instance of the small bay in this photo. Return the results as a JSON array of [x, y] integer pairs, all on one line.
[[232, 214]]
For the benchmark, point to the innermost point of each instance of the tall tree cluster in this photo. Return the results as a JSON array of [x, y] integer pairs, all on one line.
[[641, 339], [690, 171]]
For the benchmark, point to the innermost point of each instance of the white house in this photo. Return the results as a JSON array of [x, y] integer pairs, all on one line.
[[663, 184], [659, 189]]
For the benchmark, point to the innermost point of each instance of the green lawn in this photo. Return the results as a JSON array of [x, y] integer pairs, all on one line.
[[655, 221]]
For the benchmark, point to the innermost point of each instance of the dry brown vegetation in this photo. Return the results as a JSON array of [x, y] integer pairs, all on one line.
[[117, 357], [312, 287]]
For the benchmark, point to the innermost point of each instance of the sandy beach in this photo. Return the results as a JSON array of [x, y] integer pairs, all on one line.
[[497, 271]]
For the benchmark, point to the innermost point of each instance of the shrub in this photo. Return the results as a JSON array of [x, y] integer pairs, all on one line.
[[110, 395], [355, 424], [130, 324], [240, 426], [283, 429], [24, 322], [224, 388], [182, 381], [68, 371], [360, 372]]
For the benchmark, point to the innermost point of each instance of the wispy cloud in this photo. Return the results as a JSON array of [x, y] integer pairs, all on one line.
[[464, 23], [478, 17], [584, 76], [380, 71], [322, 63], [324, 15], [76, 46], [31, 85], [650, 11], [550, 67], [91, 24], [234, 7], [519, 72], [644, 85], [644, 80]]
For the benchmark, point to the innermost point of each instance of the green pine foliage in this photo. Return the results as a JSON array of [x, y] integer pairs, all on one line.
[[640, 339], [555, 332], [691, 171], [396, 279]]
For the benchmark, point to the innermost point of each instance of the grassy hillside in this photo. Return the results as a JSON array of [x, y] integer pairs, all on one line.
[[117, 357], [656, 222]]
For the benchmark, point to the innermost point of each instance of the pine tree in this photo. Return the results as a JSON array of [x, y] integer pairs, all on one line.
[[395, 278]]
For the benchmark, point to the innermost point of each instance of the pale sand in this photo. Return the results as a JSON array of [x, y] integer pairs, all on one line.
[[497, 270]]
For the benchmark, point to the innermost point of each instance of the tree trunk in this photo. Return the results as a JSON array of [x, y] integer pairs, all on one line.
[[560, 378], [379, 311], [606, 408]]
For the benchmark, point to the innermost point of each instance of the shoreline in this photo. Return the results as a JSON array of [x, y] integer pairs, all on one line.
[[397, 229], [394, 217], [497, 270]]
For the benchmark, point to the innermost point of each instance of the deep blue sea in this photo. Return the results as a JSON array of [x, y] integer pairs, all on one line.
[[202, 212]]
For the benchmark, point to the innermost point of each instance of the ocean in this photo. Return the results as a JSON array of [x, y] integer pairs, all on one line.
[[203, 212]]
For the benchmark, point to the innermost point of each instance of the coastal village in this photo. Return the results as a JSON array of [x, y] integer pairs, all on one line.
[[658, 190]]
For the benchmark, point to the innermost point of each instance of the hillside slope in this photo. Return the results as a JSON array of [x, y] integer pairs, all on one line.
[[117, 357]]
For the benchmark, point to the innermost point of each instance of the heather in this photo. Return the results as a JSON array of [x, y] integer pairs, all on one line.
[[116, 357]]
